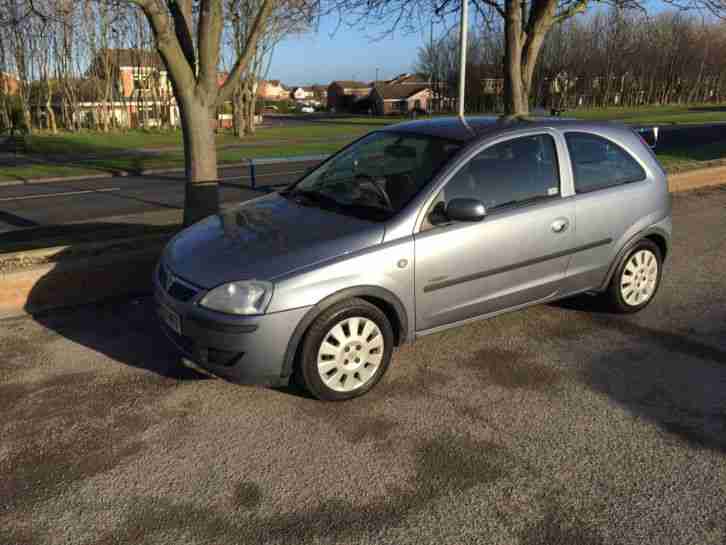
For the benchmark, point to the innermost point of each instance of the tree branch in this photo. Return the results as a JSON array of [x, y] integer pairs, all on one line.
[[243, 61], [181, 13], [210, 35], [167, 43], [578, 7]]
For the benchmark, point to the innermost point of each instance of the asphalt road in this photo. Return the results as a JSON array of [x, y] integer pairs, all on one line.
[[25, 206], [560, 424]]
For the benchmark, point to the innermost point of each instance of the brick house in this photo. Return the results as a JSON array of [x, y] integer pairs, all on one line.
[[409, 79], [343, 94], [272, 90], [132, 88], [400, 98]]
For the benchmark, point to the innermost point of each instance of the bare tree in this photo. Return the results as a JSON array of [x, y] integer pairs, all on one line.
[[193, 68], [526, 25]]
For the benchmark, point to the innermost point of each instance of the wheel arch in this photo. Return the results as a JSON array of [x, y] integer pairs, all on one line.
[[653, 234], [382, 298]]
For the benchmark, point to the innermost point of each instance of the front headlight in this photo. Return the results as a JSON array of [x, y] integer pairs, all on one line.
[[241, 298]]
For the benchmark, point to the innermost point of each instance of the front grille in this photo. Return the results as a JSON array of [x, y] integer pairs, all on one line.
[[175, 286]]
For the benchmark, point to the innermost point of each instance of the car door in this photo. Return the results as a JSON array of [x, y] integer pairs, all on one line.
[[611, 196], [516, 255]]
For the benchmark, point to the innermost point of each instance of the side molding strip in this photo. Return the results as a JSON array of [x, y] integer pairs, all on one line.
[[476, 276]]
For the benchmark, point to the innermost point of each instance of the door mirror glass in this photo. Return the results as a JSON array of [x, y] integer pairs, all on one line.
[[465, 210]]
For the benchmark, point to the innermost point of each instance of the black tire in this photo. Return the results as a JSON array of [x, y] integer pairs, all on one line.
[[318, 332], [614, 294]]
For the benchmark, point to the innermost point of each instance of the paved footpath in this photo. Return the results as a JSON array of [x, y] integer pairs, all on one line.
[[560, 424]]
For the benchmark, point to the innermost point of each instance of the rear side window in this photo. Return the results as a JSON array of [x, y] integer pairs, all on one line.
[[598, 163], [512, 172]]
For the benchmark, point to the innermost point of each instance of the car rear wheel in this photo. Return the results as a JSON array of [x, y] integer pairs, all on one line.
[[346, 351], [637, 278]]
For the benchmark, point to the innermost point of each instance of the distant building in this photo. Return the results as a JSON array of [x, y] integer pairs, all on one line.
[[134, 71], [320, 93], [492, 86], [272, 90], [129, 88], [400, 98], [302, 94], [343, 94], [409, 79]]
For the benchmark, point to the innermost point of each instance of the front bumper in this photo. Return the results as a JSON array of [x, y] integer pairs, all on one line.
[[243, 349]]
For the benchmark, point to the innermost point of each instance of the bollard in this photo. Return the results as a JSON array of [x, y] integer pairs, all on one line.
[[253, 181]]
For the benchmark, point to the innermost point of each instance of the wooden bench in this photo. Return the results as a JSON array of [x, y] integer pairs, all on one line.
[[14, 144]]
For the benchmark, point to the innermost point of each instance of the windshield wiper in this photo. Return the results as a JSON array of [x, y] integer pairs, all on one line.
[[307, 197]]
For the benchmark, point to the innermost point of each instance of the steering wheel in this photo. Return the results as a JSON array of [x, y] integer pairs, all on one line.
[[379, 190]]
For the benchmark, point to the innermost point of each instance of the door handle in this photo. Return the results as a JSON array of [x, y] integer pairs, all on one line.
[[560, 225]]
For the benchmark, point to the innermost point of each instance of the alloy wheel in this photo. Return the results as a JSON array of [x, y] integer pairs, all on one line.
[[639, 279], [350, 354]]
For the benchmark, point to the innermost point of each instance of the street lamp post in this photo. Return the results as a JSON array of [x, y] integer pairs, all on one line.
[[462, 55]]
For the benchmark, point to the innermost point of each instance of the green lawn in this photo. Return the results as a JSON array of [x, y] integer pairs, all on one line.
[[91, 152], [654, 114], [167, 159], [86, 142], [27, 172]]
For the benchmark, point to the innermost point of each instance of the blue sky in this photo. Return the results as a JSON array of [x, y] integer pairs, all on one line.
[[330, 54]]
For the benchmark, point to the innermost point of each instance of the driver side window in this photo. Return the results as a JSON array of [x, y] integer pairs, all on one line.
[[511, 173]]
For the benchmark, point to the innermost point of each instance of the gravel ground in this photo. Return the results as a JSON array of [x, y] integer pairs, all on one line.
[[560, 424]]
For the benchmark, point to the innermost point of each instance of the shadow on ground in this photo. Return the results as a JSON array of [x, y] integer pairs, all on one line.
[[125, 327], [675, 378], [126, 330], [72, 235]]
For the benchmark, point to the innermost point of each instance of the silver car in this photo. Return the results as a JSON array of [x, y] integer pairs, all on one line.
[[410, 230]]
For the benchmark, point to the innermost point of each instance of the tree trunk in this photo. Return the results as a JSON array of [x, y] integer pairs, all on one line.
[[516, 97], [250, 103], [238, 114], [200, 160], [52, 125]]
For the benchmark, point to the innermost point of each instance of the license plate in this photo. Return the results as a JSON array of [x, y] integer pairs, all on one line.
[[170, 318]]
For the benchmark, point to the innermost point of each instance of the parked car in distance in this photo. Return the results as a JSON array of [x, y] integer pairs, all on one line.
[[307, 109], [410, 230]]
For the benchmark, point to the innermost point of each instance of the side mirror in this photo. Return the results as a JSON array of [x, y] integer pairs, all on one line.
[[465, 210]]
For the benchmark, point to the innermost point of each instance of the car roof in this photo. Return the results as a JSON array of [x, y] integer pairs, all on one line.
[[477, 127]]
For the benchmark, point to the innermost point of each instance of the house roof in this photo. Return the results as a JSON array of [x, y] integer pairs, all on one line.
[[348, 84], [409, 79], [399, 91], [130, 57]]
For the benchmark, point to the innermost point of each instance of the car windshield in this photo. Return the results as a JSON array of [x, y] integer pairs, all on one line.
[[375, 177]]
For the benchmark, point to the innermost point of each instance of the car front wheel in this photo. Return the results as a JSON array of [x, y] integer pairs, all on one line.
[[346, 350]]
